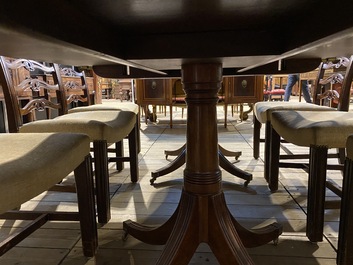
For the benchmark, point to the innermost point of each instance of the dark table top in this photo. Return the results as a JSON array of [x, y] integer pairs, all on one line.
[[156, 35]]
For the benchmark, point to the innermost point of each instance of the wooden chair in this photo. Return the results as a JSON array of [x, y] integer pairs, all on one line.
[[102, 127], [30, 163], [343, 77], [319, 131], [79, 95], [262, 114], [178, 99]]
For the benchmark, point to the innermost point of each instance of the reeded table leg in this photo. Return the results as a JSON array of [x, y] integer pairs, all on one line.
[[179, 161]]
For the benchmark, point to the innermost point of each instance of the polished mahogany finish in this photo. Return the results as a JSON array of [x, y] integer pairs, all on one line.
[[205, 40], [202, 214], [164, 34]]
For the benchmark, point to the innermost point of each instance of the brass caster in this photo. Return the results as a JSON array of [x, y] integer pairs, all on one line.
[[125, 236], [154, 176], [246, 183], [275, 241]]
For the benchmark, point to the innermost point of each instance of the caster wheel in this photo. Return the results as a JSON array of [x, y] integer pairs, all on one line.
[[246, 183], [125, 236], [275, 241]]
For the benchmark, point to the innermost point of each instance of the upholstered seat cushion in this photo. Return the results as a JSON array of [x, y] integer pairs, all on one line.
[[305, 128], [109, 105], [262, 110], [111, 126], [32, 163], [279, 91]]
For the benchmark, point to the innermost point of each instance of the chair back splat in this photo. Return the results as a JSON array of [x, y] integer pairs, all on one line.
[[22, 90], [333, 73], [76, 92], [32, 163]]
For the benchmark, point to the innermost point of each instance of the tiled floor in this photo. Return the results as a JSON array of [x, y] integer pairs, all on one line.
[[253, 206]]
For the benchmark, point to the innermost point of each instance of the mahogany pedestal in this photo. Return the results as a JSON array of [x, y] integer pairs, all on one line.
[[202, 214], [223, 162]]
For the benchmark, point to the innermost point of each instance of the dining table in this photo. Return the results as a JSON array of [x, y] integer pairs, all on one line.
[[199, 41]]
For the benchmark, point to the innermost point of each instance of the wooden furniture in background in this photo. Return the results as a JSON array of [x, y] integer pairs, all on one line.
[[242, 89], [154, 92], [124, 90], [169, 92]]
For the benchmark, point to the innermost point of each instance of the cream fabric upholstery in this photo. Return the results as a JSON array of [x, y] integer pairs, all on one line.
[[305, 128], [262, 110], [108, 105], [32, 163], [111, 126]]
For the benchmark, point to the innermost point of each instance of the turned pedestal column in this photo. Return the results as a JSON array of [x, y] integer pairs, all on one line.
[[202, 214]]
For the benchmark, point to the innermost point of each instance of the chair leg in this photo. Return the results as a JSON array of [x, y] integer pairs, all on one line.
[[316, 193], [345, 235], [86, 207], [171, 116], [119, 146], [341, 155], [100, 151], [267, 149], [133, 153], [119, 152], [137, 127], [272, 160], [257, 128], [225, 115]]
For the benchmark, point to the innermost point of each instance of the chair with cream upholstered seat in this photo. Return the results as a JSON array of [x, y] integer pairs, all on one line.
[[79, 93], [263, 110], [343, 76], [101, 127], [319, 131], [30, 164]]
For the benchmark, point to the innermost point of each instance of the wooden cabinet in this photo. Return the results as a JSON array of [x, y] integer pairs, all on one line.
[[240, 90], [154, 92], [243, 89], [237, 89]]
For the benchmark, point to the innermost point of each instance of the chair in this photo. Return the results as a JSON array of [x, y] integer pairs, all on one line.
[[102, 127], [78, 93], [342, 76], [319, 131], [273, 91], [261, 116], [33, 162], [178, 99], [263, 110], [345, 233]]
